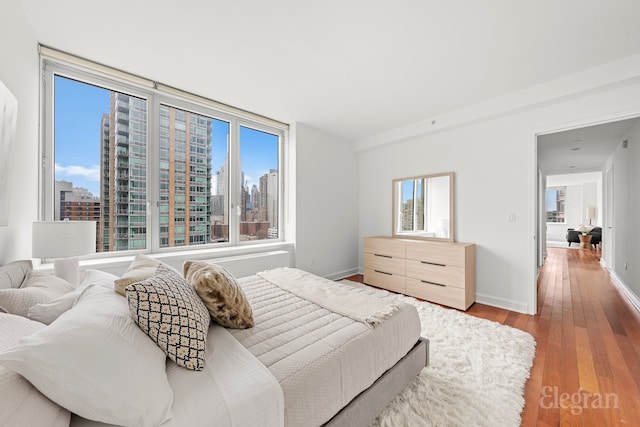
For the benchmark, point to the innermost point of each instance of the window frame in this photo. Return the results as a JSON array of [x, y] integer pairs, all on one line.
[[51, 67]]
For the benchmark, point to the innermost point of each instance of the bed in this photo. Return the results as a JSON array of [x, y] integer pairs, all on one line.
[[308, 360]]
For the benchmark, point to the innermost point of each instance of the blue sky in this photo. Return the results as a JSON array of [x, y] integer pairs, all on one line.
[[78, 111], [407, 189], [551, 199]]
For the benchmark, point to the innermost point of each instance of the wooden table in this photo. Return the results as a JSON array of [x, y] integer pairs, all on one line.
[[585, 241]]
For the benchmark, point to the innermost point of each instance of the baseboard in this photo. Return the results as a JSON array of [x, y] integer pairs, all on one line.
[[502, 303], [631, 296], [343, 274]]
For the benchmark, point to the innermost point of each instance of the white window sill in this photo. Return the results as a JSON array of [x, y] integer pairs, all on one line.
[[118, 264]]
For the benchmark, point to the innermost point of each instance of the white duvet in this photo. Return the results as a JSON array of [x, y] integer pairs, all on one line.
[[233, 390]]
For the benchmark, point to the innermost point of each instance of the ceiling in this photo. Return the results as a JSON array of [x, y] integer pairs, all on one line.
[[581, 150], [352, 68]]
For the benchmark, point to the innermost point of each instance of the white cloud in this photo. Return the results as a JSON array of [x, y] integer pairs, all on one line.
[[91, 174]]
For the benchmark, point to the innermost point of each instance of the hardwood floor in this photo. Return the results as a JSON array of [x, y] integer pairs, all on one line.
[[586, 371]]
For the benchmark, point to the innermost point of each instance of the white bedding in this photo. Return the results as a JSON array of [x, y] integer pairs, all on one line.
[[233, 390], [321, 359]]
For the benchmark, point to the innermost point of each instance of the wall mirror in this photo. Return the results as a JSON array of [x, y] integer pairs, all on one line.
[[423, 207]]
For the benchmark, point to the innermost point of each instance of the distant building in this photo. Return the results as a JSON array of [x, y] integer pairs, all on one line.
[[269, 198], [76, 204]]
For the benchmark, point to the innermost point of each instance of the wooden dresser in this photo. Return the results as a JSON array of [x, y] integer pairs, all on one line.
[[441, 272]]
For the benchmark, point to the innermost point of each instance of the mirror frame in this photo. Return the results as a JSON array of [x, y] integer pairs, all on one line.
[[394, 185]]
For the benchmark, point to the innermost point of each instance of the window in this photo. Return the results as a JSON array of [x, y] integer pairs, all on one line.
[[555, 204], [155, 170], [422, 206], [412, 212]]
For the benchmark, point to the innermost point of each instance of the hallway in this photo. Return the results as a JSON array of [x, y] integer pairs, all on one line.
[[587, 366]]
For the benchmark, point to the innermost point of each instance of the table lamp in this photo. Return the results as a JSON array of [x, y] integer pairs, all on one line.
[[64, 241]]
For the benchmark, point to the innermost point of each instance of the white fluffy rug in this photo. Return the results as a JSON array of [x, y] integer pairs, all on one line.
[[476, 374]]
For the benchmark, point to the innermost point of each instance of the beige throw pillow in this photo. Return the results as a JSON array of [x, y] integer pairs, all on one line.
[[168, 310], [221, 293], [140, 269]]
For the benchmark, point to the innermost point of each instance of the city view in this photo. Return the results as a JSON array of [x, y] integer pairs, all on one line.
[[101, 160]]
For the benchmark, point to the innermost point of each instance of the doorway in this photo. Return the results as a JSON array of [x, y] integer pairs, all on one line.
[[575, 151]]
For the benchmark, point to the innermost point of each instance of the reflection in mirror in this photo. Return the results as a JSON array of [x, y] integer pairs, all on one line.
[[423, 207]]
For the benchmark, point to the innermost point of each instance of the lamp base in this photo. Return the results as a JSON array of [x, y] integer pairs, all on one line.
[[67, 269]]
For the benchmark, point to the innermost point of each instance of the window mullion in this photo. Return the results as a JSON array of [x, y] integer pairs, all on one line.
[[233, 175], [47, 176], [153, 179]]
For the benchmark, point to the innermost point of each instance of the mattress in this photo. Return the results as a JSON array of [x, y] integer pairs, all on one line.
[[321, 359]]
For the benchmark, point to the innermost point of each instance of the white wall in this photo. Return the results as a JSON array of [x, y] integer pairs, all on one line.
[[493, 157], [19, 72], [327, 204], [583, 190], [626, 212]]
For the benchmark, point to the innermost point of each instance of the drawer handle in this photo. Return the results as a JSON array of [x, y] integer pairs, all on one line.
[[383, 256], [433, 263], [383, 272], [433, 283]]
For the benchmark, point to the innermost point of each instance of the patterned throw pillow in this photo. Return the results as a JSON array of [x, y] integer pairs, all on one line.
[[166, 308], [221, 293]]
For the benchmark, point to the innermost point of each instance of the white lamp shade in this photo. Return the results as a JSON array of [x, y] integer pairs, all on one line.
[[62, 239], [591, 212]]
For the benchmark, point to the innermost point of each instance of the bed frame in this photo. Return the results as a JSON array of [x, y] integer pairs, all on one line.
[[365, 407]]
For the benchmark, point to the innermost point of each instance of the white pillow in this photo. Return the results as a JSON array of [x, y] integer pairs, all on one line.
[[98, 277], [39, 279], [38, 287], [96, 362], [20, 403], [141, 268], [50, 311]]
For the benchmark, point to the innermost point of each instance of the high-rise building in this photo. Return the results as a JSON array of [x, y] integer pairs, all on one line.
[[184, 174], [185, 178], [103, 236], [123, 174]]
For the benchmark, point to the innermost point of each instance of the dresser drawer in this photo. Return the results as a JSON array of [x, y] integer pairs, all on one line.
[[436, 273], [384, 263], [438, 253], [384, 246], [445, 295], [392, 282]]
